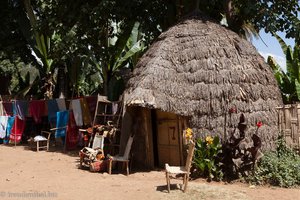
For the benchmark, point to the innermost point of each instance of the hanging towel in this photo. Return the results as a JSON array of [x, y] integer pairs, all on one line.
[[52, 110], [92, 103], [8, 108], [17, 130], [1, 109], [76, 107], [10, 123], [85, 112], [37, 109], [73, 133], [3, 126], [61, 123], [21, 109], [61, 103]]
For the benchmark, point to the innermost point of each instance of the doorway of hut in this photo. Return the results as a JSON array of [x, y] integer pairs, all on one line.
[[167, 145]]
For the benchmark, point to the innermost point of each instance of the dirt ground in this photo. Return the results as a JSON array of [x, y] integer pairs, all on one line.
[[27, 174]]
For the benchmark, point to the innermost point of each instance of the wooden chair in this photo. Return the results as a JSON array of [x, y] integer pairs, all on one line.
[[43, 140], [185, 170], [124, 158]]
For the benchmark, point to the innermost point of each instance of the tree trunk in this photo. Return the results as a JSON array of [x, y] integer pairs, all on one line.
[[229, 12], [106, 80], [61, 82]]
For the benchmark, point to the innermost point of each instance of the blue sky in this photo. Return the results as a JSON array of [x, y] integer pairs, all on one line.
[[273, 48]]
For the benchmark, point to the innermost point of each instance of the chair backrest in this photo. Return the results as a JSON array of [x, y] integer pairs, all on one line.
[[128, 147], [190, 156], [98, 141]]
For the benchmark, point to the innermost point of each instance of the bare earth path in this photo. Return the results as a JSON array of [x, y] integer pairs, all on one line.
[[26, 174]]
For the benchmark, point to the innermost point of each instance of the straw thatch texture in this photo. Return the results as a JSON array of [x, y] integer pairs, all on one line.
[[200, 69]]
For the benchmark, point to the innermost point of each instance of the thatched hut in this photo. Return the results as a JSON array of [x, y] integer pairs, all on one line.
[[195, 75]]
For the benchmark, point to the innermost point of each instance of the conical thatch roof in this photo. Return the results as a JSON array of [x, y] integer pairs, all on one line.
[[200, 69]]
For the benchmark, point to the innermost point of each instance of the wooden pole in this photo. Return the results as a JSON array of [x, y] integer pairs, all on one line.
[[15, 124]]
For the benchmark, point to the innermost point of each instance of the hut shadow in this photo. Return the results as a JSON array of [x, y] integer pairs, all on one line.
[[164, 188]]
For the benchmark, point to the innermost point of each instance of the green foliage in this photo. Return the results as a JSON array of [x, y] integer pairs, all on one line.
[[278, 168], [84, 29], [16, 74], [206, 160], [289, 81]]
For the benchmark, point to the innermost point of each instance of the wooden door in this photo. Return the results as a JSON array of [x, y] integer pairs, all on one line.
[[168, 139]]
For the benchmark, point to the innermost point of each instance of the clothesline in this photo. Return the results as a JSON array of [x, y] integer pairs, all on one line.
[[82, 107], [13, 114]]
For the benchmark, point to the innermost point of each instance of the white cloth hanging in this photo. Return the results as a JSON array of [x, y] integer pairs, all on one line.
[[3, 126], [76, 107], [1, 109]]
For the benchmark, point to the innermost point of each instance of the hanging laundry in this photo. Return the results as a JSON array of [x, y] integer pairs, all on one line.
[[20, 108], [3, 126], [8, 108], [37, 110], [10, 123], [52, 110], [92, 103], [1, 109], [85, 112], [17, 130], [76, 107], [72, 133], [61, 103], [61, 123]]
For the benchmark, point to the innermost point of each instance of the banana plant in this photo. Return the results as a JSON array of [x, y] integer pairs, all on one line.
[[124, 50], [289, 81], [40, 46]]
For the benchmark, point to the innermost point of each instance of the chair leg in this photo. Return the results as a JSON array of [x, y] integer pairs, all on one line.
[[168, 181], [186, 180], [48, 145], [127, 169], [109, 166], [183, 182], [37, 146], [80, 163]]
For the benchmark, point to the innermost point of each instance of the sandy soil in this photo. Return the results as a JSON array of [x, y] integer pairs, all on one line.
[[27, 174]]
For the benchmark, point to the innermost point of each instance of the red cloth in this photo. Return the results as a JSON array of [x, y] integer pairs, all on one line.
[[17, 130], [37, 109], [72, 133]]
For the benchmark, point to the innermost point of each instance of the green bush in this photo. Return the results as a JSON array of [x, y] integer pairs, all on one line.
[[206, 160], [278, 168]]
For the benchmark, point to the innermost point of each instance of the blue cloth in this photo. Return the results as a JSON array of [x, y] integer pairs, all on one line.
[[52, 110], [10, 123], [20, 108], [61, 123]]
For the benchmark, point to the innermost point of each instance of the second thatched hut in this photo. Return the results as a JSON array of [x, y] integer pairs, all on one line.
[[194, 75]]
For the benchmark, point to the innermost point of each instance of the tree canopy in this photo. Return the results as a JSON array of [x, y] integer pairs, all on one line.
[[87, 39]]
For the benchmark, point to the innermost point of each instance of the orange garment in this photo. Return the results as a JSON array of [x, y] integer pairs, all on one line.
[[85, 112]]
